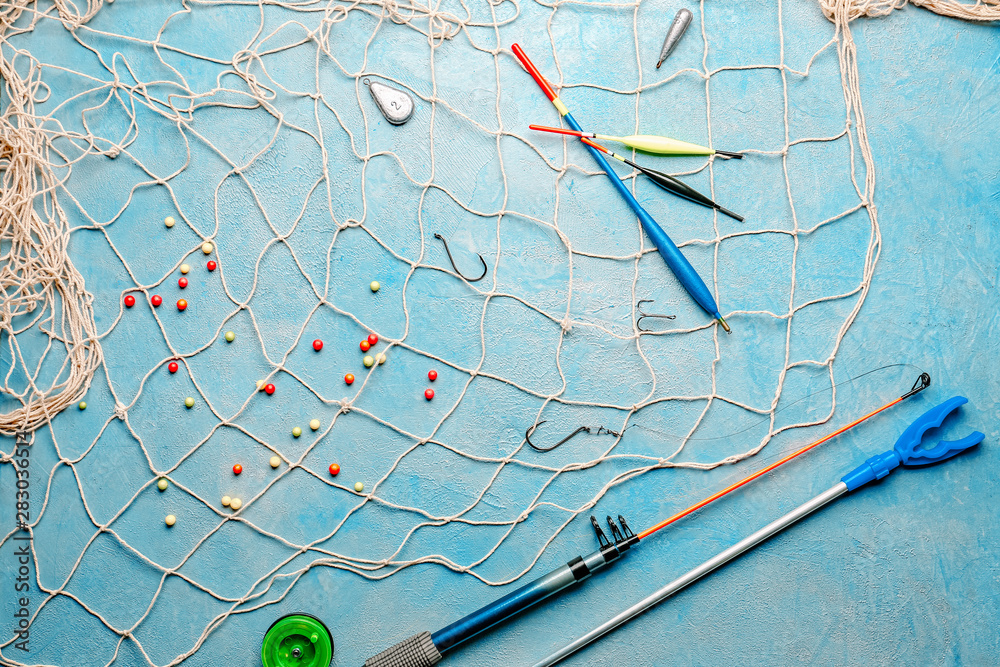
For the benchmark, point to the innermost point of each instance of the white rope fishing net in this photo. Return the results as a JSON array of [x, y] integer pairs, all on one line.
[[55, 125]]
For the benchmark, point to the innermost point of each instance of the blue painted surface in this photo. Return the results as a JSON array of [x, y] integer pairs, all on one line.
[[903, 571]]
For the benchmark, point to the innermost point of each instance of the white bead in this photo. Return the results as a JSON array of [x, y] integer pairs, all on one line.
[[275, 461], [171, 519], [235, 503], [226, 500]]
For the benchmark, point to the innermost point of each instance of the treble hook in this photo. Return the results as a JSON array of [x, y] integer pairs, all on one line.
[[643, 315], [600, 430], [452, 260]]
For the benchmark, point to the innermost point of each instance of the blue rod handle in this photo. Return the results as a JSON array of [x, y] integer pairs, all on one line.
[[670, 253]]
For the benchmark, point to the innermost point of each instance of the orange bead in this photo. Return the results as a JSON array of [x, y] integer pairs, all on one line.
[[237, 469], [349, 378], [181, 304], [365, 345], [334, 469]]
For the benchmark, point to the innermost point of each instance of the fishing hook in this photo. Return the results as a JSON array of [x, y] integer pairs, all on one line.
[[452, 260], [598, 431], [643, 315]]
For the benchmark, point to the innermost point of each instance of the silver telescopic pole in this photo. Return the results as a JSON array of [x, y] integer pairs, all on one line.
[[697, 573]]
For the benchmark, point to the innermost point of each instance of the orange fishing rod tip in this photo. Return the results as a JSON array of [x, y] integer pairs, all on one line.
[[763, 471]]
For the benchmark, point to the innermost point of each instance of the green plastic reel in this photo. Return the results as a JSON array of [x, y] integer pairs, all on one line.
[[297, 640]]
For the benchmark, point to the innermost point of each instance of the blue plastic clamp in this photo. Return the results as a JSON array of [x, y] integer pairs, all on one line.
[[907, 449]]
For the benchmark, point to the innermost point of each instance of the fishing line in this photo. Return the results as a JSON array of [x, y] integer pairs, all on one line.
[[727, 436]]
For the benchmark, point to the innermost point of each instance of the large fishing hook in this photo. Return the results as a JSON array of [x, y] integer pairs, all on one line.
[[452, 260], [643, 315], [598, 431]]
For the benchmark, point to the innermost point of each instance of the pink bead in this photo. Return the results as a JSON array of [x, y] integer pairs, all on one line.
[[317, 345], [182, 283], [157, 300], [428, 394], [129, 301], [372, 340], [211, 266], [172, 366], [432, 375]]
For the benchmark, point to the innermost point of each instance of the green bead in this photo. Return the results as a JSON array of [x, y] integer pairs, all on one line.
[[162, 484], [296, 432], [368, 361], [189, 402], [359, 487], [83, 405], [230, 336]]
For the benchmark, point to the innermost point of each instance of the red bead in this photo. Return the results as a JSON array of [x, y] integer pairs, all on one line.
[[269, 389], [365, 346], [372, 340], [181, 304], [317, 345], [237, 469], [157, 301], [334, 469], [182, 283], [428, 394], [211, 266], [172, 367], [432, 375], [349, 378], [129, 301]]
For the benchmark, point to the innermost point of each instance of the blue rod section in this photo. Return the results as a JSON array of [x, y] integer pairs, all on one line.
[[670, 253], [519, 600]]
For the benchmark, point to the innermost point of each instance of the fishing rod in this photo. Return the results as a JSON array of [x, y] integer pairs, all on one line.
[[671, 254], [907, 451], [425, 649], [648, 143], [667, 182]]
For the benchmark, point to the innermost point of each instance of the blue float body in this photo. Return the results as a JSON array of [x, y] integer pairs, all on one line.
[[674, 258]]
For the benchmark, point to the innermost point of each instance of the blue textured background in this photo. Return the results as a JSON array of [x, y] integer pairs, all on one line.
[[902, 572]]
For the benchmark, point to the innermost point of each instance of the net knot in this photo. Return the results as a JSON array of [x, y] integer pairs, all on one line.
[[566, 324], [120, 411]]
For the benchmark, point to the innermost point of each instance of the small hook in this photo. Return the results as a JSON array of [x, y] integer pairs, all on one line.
[[599, 430], [365, 81], [643, 315], [527, 437], [452, 260]]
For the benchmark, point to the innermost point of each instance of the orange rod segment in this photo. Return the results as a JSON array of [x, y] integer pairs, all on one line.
[[680, 515]]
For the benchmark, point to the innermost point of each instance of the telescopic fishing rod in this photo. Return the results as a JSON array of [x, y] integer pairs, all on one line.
[[907, 451], [426, 649]]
